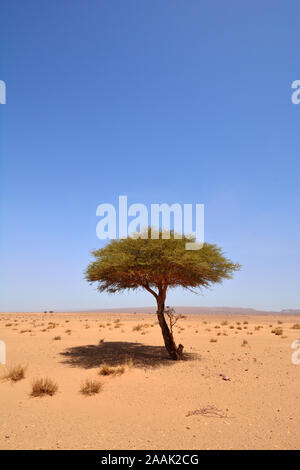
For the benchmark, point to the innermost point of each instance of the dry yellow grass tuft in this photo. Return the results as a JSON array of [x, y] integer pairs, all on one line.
[[43, 386], [278, 331], [90, 387], [105, 369], [15, 373]]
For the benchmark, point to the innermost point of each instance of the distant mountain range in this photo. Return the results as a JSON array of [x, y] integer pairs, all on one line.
[[201, 310]]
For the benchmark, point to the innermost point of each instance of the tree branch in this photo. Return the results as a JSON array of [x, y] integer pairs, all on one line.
[[146, 286]]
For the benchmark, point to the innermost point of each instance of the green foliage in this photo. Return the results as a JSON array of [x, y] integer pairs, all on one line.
[[156, 264]]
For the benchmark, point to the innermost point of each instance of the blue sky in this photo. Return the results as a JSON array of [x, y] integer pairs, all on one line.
[[163, 101]]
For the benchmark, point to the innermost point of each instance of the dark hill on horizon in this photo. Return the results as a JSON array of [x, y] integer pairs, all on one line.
[[199, 310]]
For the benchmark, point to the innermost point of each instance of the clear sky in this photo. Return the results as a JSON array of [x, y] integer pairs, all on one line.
[[162, 101]]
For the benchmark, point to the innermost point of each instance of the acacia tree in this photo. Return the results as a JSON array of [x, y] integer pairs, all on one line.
[[157, 265]]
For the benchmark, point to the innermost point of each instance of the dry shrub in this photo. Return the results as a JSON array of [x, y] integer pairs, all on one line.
[[119, 370], [213, 340], [129, 362], [296, 326], [105, 369], [138, 327], [15, 373], [90, 387], [43, 386], [278, 331], [57, 338]]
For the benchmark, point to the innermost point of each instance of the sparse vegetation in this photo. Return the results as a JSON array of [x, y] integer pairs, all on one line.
[[90, 387], [15, 373], [43, 386], [277, 331], [138, 327], [106, 370]]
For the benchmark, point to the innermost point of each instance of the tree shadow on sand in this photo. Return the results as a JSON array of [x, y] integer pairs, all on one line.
[[115, 353]]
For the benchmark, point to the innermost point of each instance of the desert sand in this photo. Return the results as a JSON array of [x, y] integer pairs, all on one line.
[[237, 388]]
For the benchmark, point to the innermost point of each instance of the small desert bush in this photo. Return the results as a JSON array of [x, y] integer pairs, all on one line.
[[90, 387], [57, 338], [43, 386], [129, 362], [244, 343], [213, 340], [277, 331], [105, 369], [15, 373], [224, 323], [119, 370], [138, 327], [296, 326]]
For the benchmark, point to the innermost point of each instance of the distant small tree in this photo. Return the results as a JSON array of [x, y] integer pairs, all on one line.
[[156, 265], [172, 317]]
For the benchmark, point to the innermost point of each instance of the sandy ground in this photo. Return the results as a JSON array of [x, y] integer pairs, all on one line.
[[155, 403]]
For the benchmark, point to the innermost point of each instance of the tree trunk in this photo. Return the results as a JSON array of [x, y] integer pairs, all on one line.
[[174, 352]]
